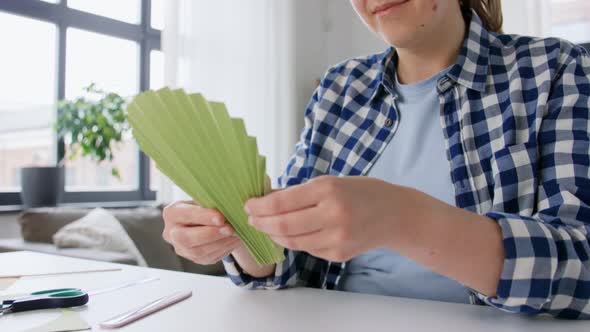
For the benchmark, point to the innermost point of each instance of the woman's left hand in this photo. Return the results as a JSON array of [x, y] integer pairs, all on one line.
[[337, 218]]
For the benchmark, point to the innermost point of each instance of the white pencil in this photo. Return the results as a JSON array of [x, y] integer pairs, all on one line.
[[144, 311]]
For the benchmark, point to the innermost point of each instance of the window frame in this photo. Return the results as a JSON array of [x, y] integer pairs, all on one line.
[[142, 33]]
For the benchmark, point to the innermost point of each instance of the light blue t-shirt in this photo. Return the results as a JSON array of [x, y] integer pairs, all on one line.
[[415, 157]]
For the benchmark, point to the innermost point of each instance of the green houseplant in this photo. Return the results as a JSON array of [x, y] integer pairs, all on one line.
[[90, 126]]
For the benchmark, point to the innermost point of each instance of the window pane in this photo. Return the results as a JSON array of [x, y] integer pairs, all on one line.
[[90, 58], [27, 106], [154, 176], [86, 175], [122, 10], [156, 70], [571, 20], [158, 14]]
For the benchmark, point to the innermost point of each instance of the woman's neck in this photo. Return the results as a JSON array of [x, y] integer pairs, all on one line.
[[437, 52]]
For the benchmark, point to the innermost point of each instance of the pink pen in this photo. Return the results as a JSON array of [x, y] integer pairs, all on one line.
[[146, 310]]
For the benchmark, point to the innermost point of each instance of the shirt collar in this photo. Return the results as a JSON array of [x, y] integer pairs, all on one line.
[[386, 71], [470, 69]]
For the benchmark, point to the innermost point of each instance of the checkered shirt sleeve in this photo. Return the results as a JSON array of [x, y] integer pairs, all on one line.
[[547, 267]]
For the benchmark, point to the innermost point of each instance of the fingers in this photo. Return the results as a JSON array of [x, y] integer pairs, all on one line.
[[290, 224], [209, 253], [185, 213], [223, 253], [305, 242], [332, 243], [198, 234], [195, 236], [282, 201], [191, 214]]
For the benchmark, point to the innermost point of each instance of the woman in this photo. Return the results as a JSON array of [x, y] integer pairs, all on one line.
[[473, 148]]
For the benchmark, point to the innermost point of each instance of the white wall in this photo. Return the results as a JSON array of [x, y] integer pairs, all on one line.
[[526, 17], [308, 61]]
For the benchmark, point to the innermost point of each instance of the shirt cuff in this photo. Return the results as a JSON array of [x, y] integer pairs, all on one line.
[[530, 264], [242, 279]]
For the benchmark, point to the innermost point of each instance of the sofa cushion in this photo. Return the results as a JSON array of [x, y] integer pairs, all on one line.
[[98, 230]]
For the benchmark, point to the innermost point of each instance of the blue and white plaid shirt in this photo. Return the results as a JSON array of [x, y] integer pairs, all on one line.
[[515, 115]]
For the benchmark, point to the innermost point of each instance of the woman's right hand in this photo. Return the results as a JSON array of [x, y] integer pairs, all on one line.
[[198, 234]]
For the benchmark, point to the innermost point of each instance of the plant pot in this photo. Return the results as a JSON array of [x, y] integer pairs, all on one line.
[[41, 186]]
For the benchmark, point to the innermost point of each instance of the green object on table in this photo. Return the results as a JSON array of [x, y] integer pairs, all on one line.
[[207, 154]]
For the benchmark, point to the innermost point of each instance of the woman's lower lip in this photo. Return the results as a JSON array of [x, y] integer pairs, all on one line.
[[389, 9]]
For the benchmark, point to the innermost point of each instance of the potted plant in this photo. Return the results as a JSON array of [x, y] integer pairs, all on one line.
[[89, 126]]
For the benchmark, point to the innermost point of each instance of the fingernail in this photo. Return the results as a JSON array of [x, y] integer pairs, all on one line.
[[246, 209], [226, 231], [217, 221], [251, 221]]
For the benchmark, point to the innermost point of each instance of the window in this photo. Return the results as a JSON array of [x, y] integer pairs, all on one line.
[[90, 54], [122, 10], [65, 46], [26, 106]]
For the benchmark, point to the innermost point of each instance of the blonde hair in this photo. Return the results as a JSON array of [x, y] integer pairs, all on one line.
[[490, 12]]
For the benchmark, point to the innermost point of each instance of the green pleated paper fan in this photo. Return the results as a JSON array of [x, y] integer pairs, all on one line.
[[208, 154]]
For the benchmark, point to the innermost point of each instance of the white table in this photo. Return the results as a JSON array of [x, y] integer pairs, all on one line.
[[217, 305]]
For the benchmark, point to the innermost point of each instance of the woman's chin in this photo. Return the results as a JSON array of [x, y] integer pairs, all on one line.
[[401, 36], [398, 41]]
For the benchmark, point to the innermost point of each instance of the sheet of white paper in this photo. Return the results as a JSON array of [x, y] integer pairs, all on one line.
[[52, 320], [6, 283]]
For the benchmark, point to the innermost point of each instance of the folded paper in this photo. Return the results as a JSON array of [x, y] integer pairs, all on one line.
[[208, 154]]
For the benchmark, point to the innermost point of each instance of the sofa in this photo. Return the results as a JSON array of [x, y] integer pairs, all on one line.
[[143, 225]]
